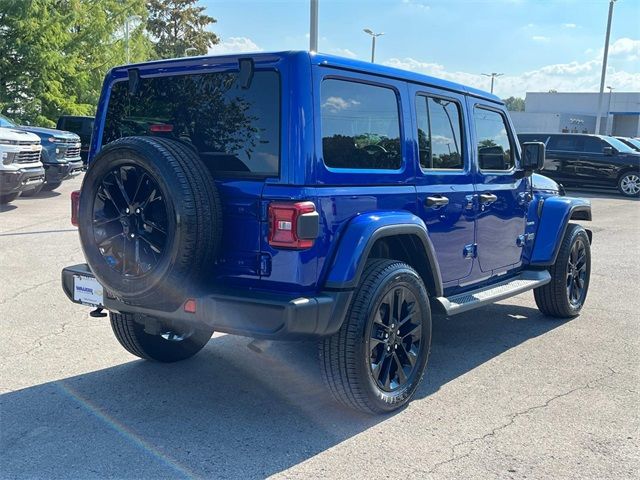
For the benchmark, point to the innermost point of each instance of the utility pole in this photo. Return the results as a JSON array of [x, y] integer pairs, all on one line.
[[373, 42], [604, 65], [493, 77], [313, 27], [126, 35]]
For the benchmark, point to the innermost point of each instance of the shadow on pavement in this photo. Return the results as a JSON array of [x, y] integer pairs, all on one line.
[[612, 194], [228, 412], [42, 194], [7, 207]]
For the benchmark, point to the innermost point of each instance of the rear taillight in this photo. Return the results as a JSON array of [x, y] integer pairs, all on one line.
[[293, 225], [75, 204], [161, 128]]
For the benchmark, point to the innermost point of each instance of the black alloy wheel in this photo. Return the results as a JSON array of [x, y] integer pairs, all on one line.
[[577, 273], [130, 220], [395, 338]]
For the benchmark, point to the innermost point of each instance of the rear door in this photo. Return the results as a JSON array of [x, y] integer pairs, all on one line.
[[234, 128], [502, 193], [444, 179]]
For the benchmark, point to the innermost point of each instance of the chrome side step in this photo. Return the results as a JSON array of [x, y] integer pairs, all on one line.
[[462, 302]]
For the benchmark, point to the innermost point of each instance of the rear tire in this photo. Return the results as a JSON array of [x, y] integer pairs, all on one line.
[[51, 186], [565, 295], [8, 198], [168, 346], [377, 359]]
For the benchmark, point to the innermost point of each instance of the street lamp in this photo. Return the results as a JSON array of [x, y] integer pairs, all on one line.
[[607, 129], [130, 18], [373, 41], [190, 49], [604, 65], [493, 77]]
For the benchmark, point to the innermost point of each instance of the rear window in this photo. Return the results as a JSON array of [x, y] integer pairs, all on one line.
[[81, 126], [233, 129], [566, 143], [360, 126]]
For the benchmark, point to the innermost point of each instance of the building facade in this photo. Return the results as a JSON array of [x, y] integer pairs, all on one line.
[[577, 112]]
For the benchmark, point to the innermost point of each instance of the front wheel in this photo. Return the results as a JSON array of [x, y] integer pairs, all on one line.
[[565, 295], [629, 184], [167, 345], [377, 359]]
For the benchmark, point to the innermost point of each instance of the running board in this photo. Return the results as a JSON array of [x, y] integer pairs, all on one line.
[[463, 302]]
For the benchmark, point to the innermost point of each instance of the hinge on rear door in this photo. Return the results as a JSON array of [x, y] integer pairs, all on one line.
[[265, 264], [470, 251]]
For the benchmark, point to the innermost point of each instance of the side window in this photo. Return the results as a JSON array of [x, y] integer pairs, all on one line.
[[495, 151], [593, 145], [360, 126], [439, 138], [564, 143]]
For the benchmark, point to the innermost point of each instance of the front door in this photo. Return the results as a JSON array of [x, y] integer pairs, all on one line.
[[503, 196], [444, 181]]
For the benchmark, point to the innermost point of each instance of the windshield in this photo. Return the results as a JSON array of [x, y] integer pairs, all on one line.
[[5, 122], [633, 141], [618, 145]]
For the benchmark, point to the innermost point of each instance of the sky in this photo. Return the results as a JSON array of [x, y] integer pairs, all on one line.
[[538, 45]]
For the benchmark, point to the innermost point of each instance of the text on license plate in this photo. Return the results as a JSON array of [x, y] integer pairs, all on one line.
[[87, 290]]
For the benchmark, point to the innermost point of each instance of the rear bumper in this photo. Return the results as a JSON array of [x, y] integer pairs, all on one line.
[[12, 181], [252, 314], [57, 172]]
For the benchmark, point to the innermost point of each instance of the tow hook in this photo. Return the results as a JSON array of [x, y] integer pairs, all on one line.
[[97, 313]]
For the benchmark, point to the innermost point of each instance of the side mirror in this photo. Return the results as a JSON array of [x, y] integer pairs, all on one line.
[[608, 151], [533, 155]]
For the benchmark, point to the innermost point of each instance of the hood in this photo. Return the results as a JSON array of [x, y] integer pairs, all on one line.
[[50, 132], [15, 135], [540, 182]]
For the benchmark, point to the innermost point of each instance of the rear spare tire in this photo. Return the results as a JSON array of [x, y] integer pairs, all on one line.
[[150, 220]]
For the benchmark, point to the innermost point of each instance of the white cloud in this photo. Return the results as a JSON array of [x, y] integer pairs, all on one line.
[[563, 77], [343, 52], [569, 25], [337, 104], [419, 4], [625, 47], [540, 38], [234, 45]]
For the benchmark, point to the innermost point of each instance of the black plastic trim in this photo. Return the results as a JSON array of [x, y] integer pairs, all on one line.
[[255, 314], [308, 226], [390, 231]]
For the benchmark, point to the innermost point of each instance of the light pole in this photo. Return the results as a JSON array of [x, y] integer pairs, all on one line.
[[313, 27], [604, 65], [607, 130], [373, 42], [130, 18], [493, 77]]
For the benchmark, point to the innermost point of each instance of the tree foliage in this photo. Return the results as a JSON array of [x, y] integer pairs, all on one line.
[[514, 104], [54, 54], [178, 25]]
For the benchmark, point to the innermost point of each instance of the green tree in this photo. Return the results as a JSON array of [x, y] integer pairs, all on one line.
[[54, 54], [177, 25], [514, 104]]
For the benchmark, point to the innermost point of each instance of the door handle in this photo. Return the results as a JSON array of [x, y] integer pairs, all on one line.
[[487, 198], [436, 202]]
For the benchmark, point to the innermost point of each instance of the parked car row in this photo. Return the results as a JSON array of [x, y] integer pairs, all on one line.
[[586, 160], [37, 158]]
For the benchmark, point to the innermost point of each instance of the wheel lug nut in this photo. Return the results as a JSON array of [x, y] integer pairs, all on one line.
[[132, 235], [386, 335], [138, 211], [126, 210], [393, 325], [398, 332], [395, 346]]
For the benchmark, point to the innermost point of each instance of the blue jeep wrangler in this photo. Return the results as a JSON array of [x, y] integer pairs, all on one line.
[[295, 196]]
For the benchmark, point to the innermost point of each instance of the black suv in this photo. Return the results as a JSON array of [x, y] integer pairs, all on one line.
[[585, 160]]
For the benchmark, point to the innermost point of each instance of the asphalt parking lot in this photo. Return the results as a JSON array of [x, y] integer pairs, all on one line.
[[508, 394]]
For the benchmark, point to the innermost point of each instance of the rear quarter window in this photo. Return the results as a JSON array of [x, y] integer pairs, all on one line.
[[233, 129], [360, 126]]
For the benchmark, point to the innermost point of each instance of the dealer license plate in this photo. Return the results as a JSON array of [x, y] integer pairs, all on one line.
[[88, 291]]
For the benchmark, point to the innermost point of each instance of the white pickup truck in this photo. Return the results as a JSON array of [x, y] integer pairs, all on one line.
[[20, 165]]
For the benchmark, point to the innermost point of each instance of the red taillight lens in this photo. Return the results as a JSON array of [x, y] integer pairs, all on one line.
[[293, 225], [75, 205]]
